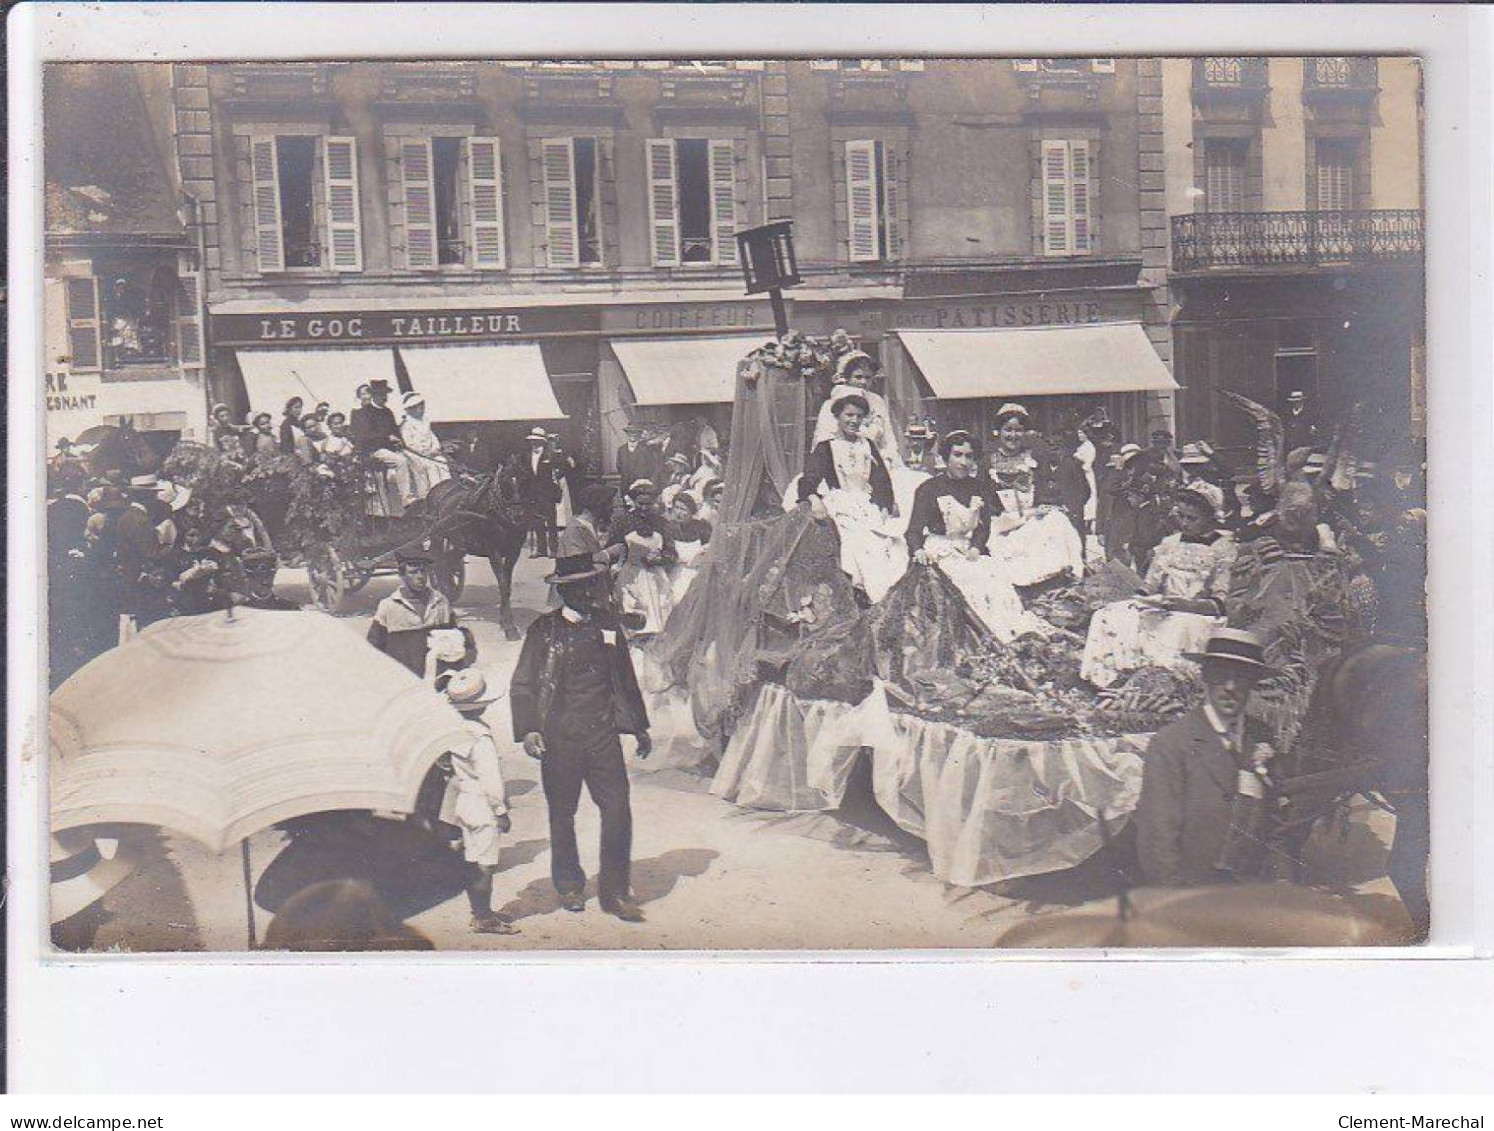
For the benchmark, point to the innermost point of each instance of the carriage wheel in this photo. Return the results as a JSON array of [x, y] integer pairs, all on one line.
[[450, 570], [328, 576]]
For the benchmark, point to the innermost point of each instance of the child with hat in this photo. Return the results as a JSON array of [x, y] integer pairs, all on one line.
[[476, 799]]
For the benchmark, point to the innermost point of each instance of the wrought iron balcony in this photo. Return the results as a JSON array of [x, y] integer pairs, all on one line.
[[1229, 74], [1207, 241], [1340, 77]]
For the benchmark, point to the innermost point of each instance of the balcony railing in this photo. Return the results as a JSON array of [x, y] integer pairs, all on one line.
[[1207, 240], [1229, 74], [1340, 75]]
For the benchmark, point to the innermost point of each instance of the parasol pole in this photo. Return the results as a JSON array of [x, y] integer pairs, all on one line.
[[248, 891]]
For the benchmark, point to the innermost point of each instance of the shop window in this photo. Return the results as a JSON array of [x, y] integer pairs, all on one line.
[[872, 201], [573, 227], [1067, 199], [692, 201]]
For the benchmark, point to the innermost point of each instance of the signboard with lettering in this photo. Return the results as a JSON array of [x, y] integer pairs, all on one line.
[[399, 327], [1002, 313], [729, 317]]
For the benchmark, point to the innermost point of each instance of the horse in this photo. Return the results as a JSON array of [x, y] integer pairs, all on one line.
[[1365, 732], [118, 448], [481, 515]]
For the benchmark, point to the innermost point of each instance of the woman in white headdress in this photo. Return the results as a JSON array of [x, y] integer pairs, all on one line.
[[1033, 536], [854, 373], [427, 462]]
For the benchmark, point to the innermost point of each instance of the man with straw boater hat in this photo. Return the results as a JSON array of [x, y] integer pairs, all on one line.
[[1203, 771], [574, 692]]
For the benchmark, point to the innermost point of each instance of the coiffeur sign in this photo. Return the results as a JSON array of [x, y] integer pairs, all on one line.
[[393, 327]]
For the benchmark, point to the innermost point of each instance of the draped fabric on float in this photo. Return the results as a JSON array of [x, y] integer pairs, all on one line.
[[767, 438]]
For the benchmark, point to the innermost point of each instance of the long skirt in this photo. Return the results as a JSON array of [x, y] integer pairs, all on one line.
[[872, 550], [984, 584], [648, 590], [1042, 548]]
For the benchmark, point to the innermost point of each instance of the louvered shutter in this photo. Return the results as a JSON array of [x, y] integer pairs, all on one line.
[[1224, 188], [892, 193], [1079, 196], [85, 344], [723, 158], [1335, 182], [188, 312], [344, 213], [1056, 224], [663, 203], [269, 246], [861, 200], [558, 166], [485, 202], [417, 177]]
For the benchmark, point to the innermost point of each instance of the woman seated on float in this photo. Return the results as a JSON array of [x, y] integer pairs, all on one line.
[[948, 528], [1185, 586], [854, 373], [846, 479], [1033, 536]]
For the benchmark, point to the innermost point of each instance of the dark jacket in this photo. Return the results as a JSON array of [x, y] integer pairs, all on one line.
[[537, 485], [640, 463], [539, 676], [135, 548], [401, 631], [371, 428], [1188, 786], [926, 518], [819, 467]]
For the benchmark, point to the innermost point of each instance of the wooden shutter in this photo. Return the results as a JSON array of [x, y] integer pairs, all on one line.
[[1079, 197], [1335, 179], [344, 213], [562, 237], [418, 178], [723, 160], [485, 202], [861, 200], [269, 246], [1056, 225], [188, 312], [1224, 178], [663, 203], [892, 193], [85, 343]]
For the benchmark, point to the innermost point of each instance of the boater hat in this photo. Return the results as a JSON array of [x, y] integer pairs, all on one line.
[[466, 690], [1234, 646], [538, 435], [575, 567]]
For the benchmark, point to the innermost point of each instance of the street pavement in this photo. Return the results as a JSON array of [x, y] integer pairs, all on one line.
[[709, 875]]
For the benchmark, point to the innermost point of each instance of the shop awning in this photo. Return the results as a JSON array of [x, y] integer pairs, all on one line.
[[490, 382], [683, 370], [272, 377], [1113, 357]]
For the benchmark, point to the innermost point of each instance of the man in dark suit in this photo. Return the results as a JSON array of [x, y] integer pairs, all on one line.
[[376, 438], [1203, 787], [574, 692], [539, 491], [634, 458]]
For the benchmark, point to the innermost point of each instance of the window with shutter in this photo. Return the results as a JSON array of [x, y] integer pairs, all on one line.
[[559, 170], [663, 203], [85, 344], [1224, 176], [861, 201], [417, 178], [264, 168], [1335, 172], [344, 234], [724, 201], [1068, 199], [188, 312], [892, 233], [485, 201], [1056, 219]]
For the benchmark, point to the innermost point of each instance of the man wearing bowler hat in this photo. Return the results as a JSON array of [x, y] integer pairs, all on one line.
[[1200, 767], [574, 692]]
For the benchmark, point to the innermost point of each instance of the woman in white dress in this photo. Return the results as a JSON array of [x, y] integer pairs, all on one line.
[[846, 477], [422, 449], [854, 373], [948, 527], [1033, 536], [1185, 588], [645, 586]]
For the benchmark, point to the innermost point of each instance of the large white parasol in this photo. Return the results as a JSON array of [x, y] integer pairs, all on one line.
[[218, 726]]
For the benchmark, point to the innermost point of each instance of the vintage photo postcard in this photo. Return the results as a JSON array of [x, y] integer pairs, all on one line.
[[735, 504]]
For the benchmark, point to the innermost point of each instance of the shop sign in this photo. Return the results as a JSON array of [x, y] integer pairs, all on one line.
[[394, 327], [999, 314], [666, 317]]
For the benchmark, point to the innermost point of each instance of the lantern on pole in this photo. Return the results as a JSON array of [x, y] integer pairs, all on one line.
[[768, 265]]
